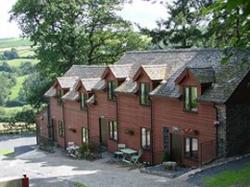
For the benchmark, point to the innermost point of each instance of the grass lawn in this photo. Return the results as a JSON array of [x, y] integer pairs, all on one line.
[[17, 62], [6, 152], [10, 111], [14, 42], [239, 177], [77, 184], [17, 87]]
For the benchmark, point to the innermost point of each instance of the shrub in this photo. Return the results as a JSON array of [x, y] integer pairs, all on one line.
[[89, 151], [166, 156]]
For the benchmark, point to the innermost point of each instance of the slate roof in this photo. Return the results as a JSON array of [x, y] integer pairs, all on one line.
[[89, 84], [203, 75], [51, 92], [120, 71], [67, 82], [72, 95], [85, 71], [155, 72], [227, 76], [171, 59], [76, 72]]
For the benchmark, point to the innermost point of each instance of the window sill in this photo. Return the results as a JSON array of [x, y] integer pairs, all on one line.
[[146, 148], [190, 111], [111, 139]]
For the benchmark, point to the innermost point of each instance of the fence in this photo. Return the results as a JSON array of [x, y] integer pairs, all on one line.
[[16, 128], [207, 151]]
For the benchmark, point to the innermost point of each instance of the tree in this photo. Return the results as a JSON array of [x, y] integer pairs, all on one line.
[[183, 29], [9, 55], [229, 23], [75, 32], [33, 89]]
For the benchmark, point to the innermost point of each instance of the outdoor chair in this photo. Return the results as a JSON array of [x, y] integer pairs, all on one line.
[[135, 158], [118, 153]]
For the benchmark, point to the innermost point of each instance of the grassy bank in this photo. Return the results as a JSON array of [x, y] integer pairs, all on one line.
[[228, 178]]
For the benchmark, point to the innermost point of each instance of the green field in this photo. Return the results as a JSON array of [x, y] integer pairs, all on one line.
[[26, 54], [19, 61], [14, 42], [239, 177], [16, 89], [10, 111]]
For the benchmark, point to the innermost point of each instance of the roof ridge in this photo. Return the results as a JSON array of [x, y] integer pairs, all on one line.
[[115, 65], [174, 50], [89, 66]]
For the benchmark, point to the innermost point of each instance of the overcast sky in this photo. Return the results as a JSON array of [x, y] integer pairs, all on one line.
[[141, 12]]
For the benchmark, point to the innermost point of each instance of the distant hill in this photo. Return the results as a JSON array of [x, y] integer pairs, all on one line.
[[14, 42], [16, 72]]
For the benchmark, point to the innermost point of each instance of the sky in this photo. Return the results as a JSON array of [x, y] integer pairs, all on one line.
[[144, 13]]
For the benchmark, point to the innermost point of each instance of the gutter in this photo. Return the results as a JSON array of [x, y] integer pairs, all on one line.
[[152, 131]]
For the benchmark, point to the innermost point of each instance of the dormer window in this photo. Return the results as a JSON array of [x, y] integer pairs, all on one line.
[[83, 98], [59, 95], [190, 99], [144, 93], [111, 90]]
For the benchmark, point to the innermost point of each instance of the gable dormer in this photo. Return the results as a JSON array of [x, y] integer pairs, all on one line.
[[62, 86], [84, 89], [192, 83], [114, 76], [148, 77]]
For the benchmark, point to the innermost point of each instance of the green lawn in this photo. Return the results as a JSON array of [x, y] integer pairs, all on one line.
[[17, 87], [14, 42], [6, 152], [17, 62], [9, 111], [239, 177], [77, 184]]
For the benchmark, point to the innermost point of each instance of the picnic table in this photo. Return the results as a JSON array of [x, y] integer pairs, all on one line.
[[127, 154]]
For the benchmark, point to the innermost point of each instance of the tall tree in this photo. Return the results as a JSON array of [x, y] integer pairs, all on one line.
[[229, 23], [183, 29], [75, 32], [72, 32]]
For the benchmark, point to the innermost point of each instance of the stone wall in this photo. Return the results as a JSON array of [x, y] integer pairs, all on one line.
[[221, 130], [238, 129]]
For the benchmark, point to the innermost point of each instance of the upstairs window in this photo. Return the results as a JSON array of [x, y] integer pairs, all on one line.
[[85, 135], [190, 99], [191, 147], [59, 94], [144, 94], [145, 138], [83, 99], [113, 132], [111, 90]]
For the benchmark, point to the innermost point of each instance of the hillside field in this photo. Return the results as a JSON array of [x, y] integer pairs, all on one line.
[[26, 54]]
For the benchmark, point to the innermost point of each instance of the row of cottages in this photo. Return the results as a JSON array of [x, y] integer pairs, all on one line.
[[184, 102]]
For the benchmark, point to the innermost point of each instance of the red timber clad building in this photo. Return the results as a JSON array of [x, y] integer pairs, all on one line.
[[183, 102]]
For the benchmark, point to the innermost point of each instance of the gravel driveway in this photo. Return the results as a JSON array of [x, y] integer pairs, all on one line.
[[54, 169]]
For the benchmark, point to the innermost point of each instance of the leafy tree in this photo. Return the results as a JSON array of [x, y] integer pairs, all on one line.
[[229, 23], [75, 32], [9, 55], [183, 29], [5, 67], [26, 68], [7, 80], [33, 89]]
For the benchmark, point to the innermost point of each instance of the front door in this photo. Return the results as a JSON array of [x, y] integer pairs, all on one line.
[[166, 139], [103, 131], [54, 130], [176, 147]]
